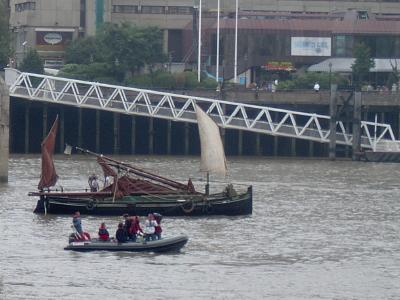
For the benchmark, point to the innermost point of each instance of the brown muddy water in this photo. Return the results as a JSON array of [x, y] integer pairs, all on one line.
[[320, 230]]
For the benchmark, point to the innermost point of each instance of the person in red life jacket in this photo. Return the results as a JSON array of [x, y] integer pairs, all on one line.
[[135, 228], [157, 229], [120, 234], [103, 233]]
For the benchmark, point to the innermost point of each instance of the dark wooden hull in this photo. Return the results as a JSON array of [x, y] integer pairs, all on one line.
[[163, 245], [217, 204]]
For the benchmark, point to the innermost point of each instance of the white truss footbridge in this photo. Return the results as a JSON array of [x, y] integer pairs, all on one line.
[[176, 107]]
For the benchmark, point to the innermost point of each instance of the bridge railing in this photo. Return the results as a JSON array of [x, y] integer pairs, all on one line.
[[176, 107]]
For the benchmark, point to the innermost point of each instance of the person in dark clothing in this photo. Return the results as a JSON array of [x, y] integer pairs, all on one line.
[[121, 235], [103, 233], [127, 226]]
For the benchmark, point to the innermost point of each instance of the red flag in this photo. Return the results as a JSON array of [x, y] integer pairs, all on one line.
[[49, 176]]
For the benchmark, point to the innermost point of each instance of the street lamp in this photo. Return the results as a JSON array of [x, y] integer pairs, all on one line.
[[330, 74]]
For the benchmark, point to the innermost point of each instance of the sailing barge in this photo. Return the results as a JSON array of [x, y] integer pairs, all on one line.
[[138, 192]]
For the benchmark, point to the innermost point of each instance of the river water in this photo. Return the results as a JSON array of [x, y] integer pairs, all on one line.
[[320, 230]]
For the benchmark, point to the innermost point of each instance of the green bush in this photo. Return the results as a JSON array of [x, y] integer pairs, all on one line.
[[164, 79], [307, 80], [140, 81], [190, 80], [101, 72], [208, 83]]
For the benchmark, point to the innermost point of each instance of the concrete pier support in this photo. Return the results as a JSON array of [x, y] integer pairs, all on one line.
[[4, 130], [45, 117], [276, 143], [116, 133], [169, 136], [293, 147], [133, 135], [27, 122], [357, 126], [97, 146], [62, 130], [221, 129], [151, 136], [79, 127], [347, 148], [186, 138], [310, 149], [258, 144], [240, 142], [276, 139], [332, 122]]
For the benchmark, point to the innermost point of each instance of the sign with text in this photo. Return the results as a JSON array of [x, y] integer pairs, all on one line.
[[279, 66], [52, 40], [310, 46]]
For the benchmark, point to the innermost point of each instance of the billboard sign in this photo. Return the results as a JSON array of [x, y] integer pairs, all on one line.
[[311, 46], [53, 38]]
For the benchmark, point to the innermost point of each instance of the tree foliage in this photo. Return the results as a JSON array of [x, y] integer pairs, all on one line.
[[84, 51], [362, 65], [124, 47], [4, 36], [32, 63]]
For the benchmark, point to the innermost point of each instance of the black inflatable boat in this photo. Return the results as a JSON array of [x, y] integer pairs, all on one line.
[[163, 245]]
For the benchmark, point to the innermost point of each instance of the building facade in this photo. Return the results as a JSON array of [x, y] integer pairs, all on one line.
[[269, 30]]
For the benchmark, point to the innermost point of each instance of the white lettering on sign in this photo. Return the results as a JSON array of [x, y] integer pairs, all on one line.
[[53, 38]]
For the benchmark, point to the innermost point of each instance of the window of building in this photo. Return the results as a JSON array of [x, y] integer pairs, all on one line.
[[25, 6], [180, 10], [153, 9], [343, 46], [362, 15], [125, 9]]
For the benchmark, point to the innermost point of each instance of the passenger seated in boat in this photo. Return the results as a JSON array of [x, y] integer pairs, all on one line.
[[127, 225], [77, 224], [135, 228], [120, 235], [157, 229], [150, 227], [93, 183], [103, 233]]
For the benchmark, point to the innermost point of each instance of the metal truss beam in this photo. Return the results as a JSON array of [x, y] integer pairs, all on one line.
[[175, 107]]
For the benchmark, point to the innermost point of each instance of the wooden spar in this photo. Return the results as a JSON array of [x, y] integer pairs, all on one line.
[[138, 171]]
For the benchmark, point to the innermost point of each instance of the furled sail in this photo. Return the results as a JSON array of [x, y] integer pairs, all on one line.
[[212, 150], [49, 176]]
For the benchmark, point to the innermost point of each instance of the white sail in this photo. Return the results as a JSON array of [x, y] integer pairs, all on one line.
[[212, 150]]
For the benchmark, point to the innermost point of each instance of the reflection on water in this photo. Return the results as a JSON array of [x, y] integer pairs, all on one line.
[[320, 230]]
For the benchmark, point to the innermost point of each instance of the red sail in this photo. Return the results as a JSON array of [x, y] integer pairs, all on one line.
[[49, 176]]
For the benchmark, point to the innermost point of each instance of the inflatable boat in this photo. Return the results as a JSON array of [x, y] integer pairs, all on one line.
[[162, 245]]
